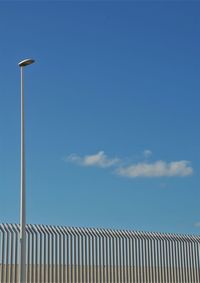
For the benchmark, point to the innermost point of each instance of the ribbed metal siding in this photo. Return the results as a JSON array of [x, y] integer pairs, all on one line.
[[63, 254]]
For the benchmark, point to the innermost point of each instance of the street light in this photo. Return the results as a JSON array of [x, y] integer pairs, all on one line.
[[22, 263]]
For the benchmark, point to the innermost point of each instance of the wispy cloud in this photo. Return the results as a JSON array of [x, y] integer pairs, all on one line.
[[144, 169], [147, 153], [157, 169], [197, 224], [99, 159]]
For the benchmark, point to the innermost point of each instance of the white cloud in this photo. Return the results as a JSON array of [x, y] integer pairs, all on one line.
[[144, 169], [157, 169], [99, 159], [147, 153]]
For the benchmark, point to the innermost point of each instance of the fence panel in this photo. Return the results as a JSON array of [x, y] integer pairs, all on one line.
[[79, 255]]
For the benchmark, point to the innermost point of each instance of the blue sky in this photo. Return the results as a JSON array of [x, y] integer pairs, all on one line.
[[112, 113]]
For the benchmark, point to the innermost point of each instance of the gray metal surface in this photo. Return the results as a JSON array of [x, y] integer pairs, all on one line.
[[80, 255]]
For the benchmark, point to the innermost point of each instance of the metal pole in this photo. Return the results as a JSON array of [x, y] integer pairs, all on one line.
[[22, 273], [22, 261]]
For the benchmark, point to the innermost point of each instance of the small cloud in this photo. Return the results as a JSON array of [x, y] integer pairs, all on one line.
[[74, 158], [197, 224], [147, 153], [157, 169], [99, 159]]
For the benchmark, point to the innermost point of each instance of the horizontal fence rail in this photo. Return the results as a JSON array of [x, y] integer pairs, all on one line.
[[80, 255]]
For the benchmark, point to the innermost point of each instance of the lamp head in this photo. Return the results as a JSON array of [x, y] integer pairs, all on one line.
[[26, 62]]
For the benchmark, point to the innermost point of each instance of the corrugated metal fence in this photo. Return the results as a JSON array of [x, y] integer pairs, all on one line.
[[63, 254]]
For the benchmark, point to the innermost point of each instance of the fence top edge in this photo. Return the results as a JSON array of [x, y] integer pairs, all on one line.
[[101, 232]]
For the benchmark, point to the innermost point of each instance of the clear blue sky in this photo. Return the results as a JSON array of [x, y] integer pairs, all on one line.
[[112, 113]]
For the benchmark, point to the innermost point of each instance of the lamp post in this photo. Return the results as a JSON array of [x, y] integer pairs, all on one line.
[[22, 262]]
